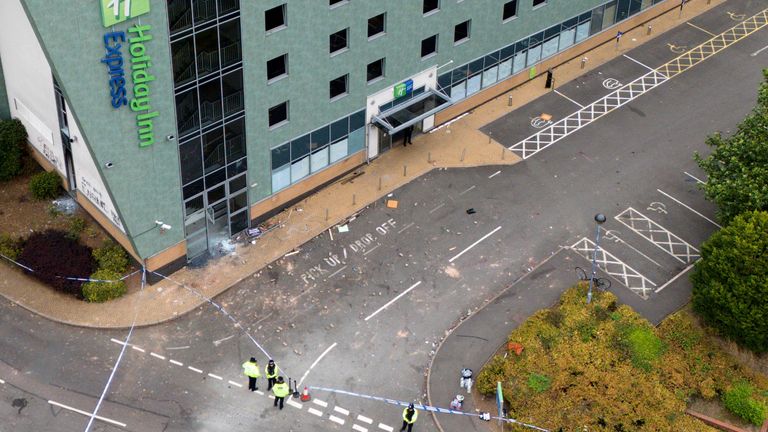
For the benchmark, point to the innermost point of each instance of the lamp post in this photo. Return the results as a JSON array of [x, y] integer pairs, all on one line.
[[599, 220]]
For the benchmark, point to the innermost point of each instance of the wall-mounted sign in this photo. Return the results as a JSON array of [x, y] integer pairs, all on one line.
[[403, 89], [117, 11]]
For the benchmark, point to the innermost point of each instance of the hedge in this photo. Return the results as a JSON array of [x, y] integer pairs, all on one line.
[[12, 139], [99, 292], [112, 257], [738, 399], [45, 185]]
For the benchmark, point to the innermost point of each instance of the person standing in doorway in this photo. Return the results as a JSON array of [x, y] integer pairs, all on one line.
[[271, 372], [409, 418], [408, 136], [251, 370], [280, 390]]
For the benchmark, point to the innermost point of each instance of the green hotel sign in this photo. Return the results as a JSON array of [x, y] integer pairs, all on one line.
[[118, 11]]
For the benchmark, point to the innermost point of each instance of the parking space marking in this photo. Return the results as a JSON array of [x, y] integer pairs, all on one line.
[[658, 235], [688, 207], [335, 419], [474, 244], [393, 300], [87, 414], [699, 28], [612, 235], [685, 270], [138, 349], [638, 62], [606, 261], [2, 382], [336, 272], [467, 190], [691, 176], [317, 360], [436, 208], [494, 174], [371, 249], [566, 97], [406, 227], [754, 54]]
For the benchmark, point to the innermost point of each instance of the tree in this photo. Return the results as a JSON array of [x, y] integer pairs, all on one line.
[[738, 166], [730, 283]]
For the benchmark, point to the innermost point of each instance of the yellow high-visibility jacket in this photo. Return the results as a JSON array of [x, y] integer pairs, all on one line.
[[413, 418], [251, 369], [281, 390]]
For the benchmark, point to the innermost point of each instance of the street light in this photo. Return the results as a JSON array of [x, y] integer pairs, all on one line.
[[599, 220]]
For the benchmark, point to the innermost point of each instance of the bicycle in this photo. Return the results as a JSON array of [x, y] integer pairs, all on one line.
[[602, 284]]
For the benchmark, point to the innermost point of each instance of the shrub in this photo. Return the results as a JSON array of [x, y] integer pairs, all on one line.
[[10, 246], [52, 255], [45, 185], [538, 383], [98, 292], [12, 137], [112, 257], [738, 400], [641, 345], [76, 227]]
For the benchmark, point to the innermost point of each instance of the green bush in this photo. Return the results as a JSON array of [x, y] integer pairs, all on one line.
[[641, 345], [738, 400], [12, 137], [112, 257], [99, 292], [10, 246], [45, 185], [76, 227], [538, 383]]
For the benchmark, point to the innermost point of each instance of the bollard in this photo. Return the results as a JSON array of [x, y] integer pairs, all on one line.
[[463, 153], [509, 100], [490, 137], [326, 215], [503, 153], [583, 62], [405, 170], [379, 183], [650, 29], [429, 157], [354, 199]]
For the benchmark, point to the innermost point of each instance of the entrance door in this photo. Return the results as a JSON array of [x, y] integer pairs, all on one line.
[[385, 141], [70, 167]]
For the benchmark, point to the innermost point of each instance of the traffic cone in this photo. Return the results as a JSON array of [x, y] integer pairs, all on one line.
[[305, 397]]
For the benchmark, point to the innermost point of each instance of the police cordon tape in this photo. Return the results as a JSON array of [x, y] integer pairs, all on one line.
[[483, 416], [71, 277]]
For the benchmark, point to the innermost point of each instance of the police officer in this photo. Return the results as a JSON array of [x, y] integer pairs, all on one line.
[[271, 373], [280, 390], [409, 418], [251, 370]]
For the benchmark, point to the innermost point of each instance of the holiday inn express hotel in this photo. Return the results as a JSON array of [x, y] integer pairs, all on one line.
[[180, 123]]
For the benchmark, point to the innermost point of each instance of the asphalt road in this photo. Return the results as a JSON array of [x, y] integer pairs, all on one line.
[[364, 311]]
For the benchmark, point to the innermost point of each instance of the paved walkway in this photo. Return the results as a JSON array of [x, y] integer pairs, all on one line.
[[460, 144]]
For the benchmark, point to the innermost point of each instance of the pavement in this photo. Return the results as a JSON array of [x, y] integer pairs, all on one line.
[[458, 145]]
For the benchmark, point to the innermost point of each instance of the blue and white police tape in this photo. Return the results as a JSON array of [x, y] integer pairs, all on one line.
[[70, 277], [226, 314], [482, 416]]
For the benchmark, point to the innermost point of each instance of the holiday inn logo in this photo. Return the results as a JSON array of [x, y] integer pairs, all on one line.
[[117, 11]]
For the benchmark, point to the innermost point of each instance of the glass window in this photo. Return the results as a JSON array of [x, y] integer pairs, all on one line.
[[534, 55], [609, 16], [597, 20], [473, 84], [191, 160], [622, 10], [319, 159], [519, 63], [431, 6], [237, 184], [179, 15], [459, 74], [300, 147], [238, 222], [444, 81], [475, 67], [205, 10], [357, 120], [182, 52], [281, 156], [461, 32], [236, 168], [278, 114], [238, 202], [227, 6], [339, 129], [507, 52], [281, 178], [509, 11], [429, 46], [490, 76], [210, 102], [333, 3], [277, 67], [320, 138], [375, 70], [377, 25], [215, 178], [213, 150], [274, 19], [549, 47], [193, 205], [505, 69], [567, 38], [232, 87], [300, 169], [193, 188], [339, 150], [216, 194], [338, 86], [234, 133], [459, 90], [207, 43], [338, 41], [582, 31], [539, 2], [231, 51], [187, 112], [491, 59]]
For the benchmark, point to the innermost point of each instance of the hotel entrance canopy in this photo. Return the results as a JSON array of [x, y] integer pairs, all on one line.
[[415, 110]]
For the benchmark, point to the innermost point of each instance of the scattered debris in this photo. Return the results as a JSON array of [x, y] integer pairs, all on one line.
[[343, 228], [471, 211], [66, 205], [392, 204]]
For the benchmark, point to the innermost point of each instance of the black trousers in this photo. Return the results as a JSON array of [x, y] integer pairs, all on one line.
[[271, 382], [252, 384], [281, 401], [408, 425]]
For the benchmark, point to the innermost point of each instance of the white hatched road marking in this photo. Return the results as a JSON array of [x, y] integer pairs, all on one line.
[[685, 270], [294, 404], [215, 376], [315, 412], [157, 356], [359, 428], [335, 419], [320, 402], [611, 235], [138, 349], [630, 277], [364, 419], [235, 384], [194, 369], [658, 235], [382, 426], [341, 410], [87, 414], [177, 363]]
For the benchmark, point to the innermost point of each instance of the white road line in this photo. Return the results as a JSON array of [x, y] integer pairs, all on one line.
[[341, 410], [685, 270], [494, 174], [2, 382], [437, 208], [393, 300], [335, 419], [327, 350], [294, 404], [688, 207], [359, 428], [320, 402], [641, 64], [119, 342], [691, 176], [194, 369], [176, 362], [157, 356], [336, 272], [754, 54], [87, 414], [406, 227], [215, 376], [371, 249], [382, 426], [271, 396], [577, 104], [610, 235], [138, 349], [235, 384], [315, 412], [472, 187], [474, 244], [699, 28], [364, 419], [261, 393], [179, 347]]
